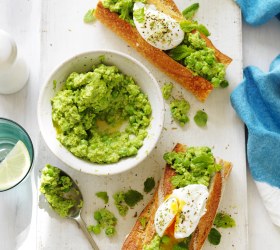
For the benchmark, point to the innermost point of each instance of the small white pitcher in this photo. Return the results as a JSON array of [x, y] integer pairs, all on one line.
[[13, 69]]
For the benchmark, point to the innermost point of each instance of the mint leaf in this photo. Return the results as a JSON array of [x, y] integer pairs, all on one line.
[[190, 11], [180, 52], [188, 26], [125, 8], [224, 84], [202, 29], [89, 16], [149, 184], [214, 236], [224, 220], [103, 196], [132, 197], [139, 15], [201, 118]]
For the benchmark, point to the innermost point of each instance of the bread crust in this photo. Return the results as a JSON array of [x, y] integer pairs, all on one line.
[[215, 193], [197, 85], [140, 236], [168, 7], [138, 233]]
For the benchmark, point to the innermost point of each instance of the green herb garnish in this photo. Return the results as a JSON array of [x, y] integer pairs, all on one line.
[[188, 26], [132, 197], [214, 236], [224, 220], [224, 84], [124, 200], [149, 184], [202, 29], [190, 11], [89, 16], [180, 52], [139, 15], [201, 118], [103, 195]]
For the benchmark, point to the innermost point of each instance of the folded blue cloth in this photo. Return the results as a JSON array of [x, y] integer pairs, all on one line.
[[257, 12], [257, 102]]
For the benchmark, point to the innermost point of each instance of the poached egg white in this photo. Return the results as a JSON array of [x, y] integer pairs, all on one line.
[[184, 207], [157, 28]]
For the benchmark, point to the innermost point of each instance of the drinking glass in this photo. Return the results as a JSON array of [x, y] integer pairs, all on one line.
[[10, 134]]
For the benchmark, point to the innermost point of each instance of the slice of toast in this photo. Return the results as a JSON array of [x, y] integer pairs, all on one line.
[[197, 85], [143, 234]]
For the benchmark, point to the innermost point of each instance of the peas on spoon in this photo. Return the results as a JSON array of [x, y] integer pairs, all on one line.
[[64, 197]]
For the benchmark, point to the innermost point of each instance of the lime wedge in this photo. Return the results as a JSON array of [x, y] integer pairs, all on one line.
[[14, 167]]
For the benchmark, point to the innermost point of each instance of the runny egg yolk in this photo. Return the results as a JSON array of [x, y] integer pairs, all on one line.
[[165, 215], [180, 213]]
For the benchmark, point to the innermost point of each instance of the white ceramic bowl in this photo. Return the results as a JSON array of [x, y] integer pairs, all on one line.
[[83, 63]]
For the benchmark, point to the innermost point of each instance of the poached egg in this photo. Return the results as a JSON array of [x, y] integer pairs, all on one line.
[[181, 211], [157, 28]]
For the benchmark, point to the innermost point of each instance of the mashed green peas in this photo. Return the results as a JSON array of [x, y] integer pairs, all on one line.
[[123, 7], [102, 115], [196, 56], [195, 166], [54, 187], [105, 220], [179, 111], [166, 90]]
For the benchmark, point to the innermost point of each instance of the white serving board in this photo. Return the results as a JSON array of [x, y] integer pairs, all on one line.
[[63, 35]]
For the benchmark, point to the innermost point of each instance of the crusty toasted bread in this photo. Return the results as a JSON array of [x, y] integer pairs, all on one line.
[[142, 235], [197, 85]]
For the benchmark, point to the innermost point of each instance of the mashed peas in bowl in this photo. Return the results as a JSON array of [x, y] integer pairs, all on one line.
[[101, 112], [90, 109]]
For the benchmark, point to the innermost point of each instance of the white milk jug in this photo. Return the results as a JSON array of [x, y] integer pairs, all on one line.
[[13, 70]]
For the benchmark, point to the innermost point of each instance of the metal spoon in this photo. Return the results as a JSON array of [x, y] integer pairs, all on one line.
[[75, 212]]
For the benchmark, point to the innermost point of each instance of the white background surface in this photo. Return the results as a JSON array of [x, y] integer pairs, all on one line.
[[64, 36], [21, 18]]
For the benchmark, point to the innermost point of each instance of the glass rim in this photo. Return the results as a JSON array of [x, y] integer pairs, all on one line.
[[31, 156]]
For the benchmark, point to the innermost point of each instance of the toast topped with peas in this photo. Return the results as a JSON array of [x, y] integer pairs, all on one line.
[[177, 46], [185, 203]]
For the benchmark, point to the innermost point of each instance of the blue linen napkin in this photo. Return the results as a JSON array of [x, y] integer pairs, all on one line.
[[257, 12], [257, 102]]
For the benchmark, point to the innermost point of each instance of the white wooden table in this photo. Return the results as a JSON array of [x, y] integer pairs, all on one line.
[[22, 19]]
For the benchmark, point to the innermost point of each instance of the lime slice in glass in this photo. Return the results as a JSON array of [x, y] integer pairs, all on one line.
[[15, 166]]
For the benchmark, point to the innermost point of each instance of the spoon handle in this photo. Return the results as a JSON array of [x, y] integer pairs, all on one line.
[[83, 226]]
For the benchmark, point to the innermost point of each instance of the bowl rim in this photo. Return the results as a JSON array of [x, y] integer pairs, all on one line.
[[101, 172], [32, 156]]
